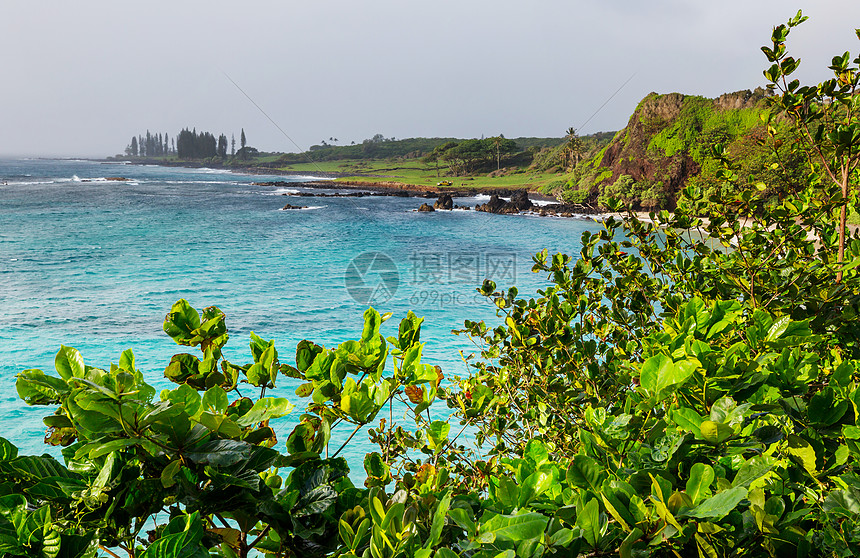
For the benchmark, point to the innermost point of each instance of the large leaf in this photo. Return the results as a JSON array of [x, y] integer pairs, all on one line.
[[316, 501], [69, 363], [35, 468], [187, 396], [8, 450], [535, 484], [439, 520], [512, 527], [588, 521], [824, 409], [585, 472], [802, 452], [37, 388], [660, 372], [182, 544], [221, 453], [265, 409], [181, 323], [221, 425], [437, 434], [215, 400], [688, 419], [716, 432], [306, 352], [753, 469], [844, 502], [699, 483], [718, 506]]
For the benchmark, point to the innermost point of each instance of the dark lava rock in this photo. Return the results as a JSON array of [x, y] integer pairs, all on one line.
[[521, 201], [496, 205], [288, 206], [445, 201], [426, 207]]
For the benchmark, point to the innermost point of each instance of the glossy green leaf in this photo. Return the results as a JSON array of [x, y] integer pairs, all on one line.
[[660, 373], [699, 483], [437, 434], [36, 388], [265, 409], [168, 474], [439, 521], [802, 452], [535, 484], [215, 400], [825, 408], [719, 505], [8, 450], [588, 521], [513, 527], [220, 453], [585, 472], [716, 432], [69, 363]]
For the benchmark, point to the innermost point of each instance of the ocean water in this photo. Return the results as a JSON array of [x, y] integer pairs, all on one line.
[[96, 265]]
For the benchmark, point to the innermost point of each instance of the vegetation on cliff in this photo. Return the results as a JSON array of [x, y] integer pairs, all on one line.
[[667, 145]]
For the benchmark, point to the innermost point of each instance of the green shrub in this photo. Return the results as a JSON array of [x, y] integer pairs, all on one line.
[[575, 196]]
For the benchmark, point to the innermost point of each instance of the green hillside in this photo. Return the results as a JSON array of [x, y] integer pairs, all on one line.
[[667, 145]]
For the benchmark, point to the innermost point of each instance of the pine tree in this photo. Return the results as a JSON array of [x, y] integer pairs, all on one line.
[[222, 146], [134, 146], [232, 145]]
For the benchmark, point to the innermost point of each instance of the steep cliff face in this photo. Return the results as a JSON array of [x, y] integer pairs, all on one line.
[[666, 143]]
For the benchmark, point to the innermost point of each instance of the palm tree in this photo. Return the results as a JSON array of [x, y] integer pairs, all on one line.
[[574, 146]]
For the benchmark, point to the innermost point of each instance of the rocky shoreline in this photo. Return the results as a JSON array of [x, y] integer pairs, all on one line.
[[520, 200]]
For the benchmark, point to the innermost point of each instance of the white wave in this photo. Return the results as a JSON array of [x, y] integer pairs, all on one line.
[[200, 182], [207, 170], [305, 208], [300, 178], [483, 198], [543, 202], [31, 183]]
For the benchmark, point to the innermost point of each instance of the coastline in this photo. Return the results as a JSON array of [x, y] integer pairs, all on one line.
[[330, 176], [549, 206]]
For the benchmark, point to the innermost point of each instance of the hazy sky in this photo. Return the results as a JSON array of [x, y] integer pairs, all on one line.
[[80, 78]]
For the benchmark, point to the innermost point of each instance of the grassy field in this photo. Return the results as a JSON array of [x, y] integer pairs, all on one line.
[[420, 174]]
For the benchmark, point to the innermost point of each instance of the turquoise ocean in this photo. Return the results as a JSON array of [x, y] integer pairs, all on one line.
[[96, 264]]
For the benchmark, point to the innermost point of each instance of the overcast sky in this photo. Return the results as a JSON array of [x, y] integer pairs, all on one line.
[[80, 78]]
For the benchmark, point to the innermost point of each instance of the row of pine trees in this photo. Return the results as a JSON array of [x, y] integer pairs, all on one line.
[[188, 144]]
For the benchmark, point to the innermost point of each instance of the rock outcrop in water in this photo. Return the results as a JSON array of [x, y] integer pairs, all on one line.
[[445, 201], [519, 202], [426, 207]]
